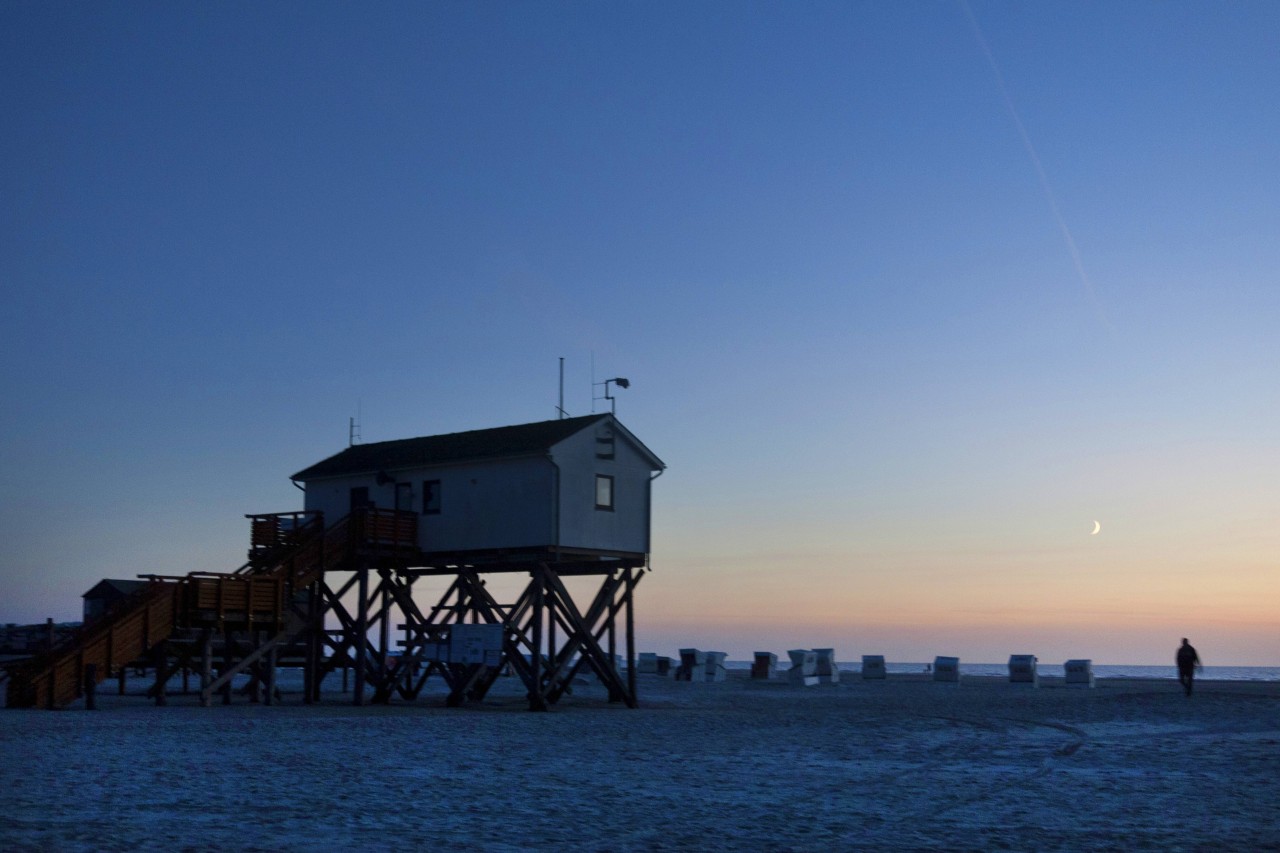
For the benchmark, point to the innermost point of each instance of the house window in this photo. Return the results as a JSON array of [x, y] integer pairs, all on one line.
[[404, 497], [604, 491], [360, 498], [430, 497]]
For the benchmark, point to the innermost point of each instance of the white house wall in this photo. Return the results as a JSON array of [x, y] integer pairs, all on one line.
[[626, 528], [504, 503]]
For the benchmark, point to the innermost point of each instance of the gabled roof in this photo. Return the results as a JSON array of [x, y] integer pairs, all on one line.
[[499, 442], [122, 587]]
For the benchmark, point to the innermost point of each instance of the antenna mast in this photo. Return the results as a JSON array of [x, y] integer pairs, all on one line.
[[560, 408]]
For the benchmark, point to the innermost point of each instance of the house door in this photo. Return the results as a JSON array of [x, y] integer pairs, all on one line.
[[360, 498]]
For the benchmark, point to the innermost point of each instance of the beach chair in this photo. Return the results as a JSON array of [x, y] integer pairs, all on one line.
[[946, 669], [715, 668], [647, 663], [804, 666], [825, 666], [1079, 673], [766, 663], [693, 665], [1022, 670], [873, 668]]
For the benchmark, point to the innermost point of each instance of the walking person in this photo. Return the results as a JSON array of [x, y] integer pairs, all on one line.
[[1188, 663]]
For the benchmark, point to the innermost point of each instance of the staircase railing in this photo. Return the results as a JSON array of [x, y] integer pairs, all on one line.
[[288, 552], [124, 634]]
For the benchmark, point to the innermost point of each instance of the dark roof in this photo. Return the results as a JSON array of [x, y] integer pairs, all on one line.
[[521, 440], [123, 587]]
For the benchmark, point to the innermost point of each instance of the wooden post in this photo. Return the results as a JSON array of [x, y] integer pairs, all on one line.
[[360, 641], [228, 652], [160, 659], [206, 666], [271, 676], [311, 666], [611, 614], [631, 634], [537, 700], [255, 671], [91, 687], [384, 631], [122, 675]]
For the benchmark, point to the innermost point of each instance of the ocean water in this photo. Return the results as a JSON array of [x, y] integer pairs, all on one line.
[[1050, 670]]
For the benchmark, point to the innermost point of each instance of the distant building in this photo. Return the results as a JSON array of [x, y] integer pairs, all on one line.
[[570, 486], [105, 594]]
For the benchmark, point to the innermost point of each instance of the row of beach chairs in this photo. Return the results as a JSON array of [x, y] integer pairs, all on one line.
[[811, 667]]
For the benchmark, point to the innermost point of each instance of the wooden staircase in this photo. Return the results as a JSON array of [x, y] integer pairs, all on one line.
[[288, 552], [56, 678]]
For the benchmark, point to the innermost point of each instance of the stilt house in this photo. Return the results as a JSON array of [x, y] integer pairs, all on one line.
[[564, 488]]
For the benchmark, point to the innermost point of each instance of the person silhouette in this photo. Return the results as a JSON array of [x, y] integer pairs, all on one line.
[[1188, 662]]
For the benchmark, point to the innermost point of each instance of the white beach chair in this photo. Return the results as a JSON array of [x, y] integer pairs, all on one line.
[[1022, 670], [804, 665], [715, 669], [693, 665], [1079, 673], [765, 665], [825, 666], [873, 668], [946, 669]]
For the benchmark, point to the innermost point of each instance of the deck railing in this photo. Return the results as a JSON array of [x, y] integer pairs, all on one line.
[[288, 551]]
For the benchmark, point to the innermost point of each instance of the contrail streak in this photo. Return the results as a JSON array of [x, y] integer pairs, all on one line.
[[1034, 156]]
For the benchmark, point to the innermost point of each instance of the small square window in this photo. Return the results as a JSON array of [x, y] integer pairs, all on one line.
[[604, 491]]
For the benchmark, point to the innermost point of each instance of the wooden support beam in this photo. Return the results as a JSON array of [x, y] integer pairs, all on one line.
[[630, 579], [162, 673], [311, 675], [537, 695], [586, 639], [362, 635], [225, 674], [271, 674], [206, 665]]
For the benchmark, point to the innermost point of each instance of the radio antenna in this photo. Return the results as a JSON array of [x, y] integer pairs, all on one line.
[[560, 412], [353, 428]]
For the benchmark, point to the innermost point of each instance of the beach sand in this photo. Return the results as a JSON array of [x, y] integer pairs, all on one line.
[[739, 765]]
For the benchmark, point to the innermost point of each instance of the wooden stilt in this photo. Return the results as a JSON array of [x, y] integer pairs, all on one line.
[[537, 699], [91, 687], [361, 640], [271, 676], [315, 627], [162, 674], [206, 665], [629, 605], [615, 695], [228, 657]]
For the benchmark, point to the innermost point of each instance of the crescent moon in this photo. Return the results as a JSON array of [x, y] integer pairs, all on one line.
[[1096, 527]]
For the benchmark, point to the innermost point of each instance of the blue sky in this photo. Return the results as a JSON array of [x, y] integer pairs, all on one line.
[[813, 235]]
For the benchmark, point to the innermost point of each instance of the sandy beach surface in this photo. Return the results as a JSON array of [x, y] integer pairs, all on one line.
[[739, 765]]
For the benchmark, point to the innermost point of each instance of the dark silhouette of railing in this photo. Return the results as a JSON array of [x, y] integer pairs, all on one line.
[[287, 553]]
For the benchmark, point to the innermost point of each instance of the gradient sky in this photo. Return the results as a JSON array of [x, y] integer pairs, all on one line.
[[909, 294]]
